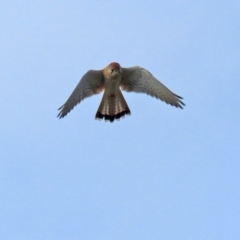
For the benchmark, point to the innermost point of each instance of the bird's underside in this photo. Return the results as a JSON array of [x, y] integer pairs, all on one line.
[[112, 80]]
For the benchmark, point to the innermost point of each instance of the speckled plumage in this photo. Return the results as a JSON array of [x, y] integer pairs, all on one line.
[[110, 80]]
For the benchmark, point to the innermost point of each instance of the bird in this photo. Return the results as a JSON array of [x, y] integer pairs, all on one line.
[[112, 79]]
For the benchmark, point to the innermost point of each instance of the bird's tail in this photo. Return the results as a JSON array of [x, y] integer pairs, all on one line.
[[112, 106]]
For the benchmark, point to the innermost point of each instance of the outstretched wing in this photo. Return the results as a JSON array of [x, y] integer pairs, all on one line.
[[91, 83], [139, 80]]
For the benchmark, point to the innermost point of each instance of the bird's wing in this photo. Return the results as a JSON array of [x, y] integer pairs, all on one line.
[[91, 83], [139, 80]]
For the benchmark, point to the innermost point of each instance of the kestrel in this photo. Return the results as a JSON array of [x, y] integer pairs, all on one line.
[[110, 80]]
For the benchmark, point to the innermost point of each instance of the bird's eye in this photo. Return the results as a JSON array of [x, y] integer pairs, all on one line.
[[112, 70]]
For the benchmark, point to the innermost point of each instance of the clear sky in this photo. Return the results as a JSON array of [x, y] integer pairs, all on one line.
[[161, 173]]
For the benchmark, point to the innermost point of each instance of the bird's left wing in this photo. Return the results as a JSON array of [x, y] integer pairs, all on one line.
[[139, 80], [90, 84]]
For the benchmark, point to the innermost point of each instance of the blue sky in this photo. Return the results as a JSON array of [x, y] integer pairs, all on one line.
[[161, 173]]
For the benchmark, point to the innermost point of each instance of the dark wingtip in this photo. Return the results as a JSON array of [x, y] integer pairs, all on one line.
[[111, 118], [60, 114], [181, 104]]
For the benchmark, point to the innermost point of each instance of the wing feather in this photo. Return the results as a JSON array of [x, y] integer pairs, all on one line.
[[90, 84], [138, 79]]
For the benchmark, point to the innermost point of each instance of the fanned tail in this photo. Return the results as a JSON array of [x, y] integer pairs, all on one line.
[[112, 107]]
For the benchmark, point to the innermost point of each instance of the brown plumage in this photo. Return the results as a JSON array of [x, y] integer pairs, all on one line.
[[110, 80]]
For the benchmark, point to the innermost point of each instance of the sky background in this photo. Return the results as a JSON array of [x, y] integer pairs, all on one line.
[[161, 173]]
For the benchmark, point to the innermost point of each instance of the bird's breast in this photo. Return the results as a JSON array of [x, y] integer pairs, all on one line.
[[112, 85]]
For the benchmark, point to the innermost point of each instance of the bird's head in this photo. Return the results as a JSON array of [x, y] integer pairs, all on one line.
[[112, 71]]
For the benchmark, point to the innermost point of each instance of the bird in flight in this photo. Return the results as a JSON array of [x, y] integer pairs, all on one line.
[[110, 80]]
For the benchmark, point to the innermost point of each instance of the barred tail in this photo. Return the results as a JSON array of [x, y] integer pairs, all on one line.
[[112, 107]]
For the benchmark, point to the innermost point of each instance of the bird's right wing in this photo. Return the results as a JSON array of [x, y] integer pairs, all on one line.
[[138, 79], [90, 84]]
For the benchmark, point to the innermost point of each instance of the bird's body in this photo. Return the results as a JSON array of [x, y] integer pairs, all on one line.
[[110, 80]]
